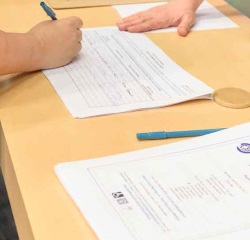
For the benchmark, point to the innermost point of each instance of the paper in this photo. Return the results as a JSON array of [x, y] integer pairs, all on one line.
[[118, 72], [60, 4], [194, 189], [207, 16]]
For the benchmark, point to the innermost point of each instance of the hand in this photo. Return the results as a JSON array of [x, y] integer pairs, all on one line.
[[57, 42], [179, 13]]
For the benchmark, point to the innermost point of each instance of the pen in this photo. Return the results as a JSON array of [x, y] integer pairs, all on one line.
[[48, 10], [163, 134]]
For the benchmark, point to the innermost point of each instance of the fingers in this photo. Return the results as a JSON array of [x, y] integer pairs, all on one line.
[[79, 35], [139, 26], [185, 24], [75, 24], [124, 25], [78, 23], [133, 21], [169, 15], [79, 47], [143, 27]]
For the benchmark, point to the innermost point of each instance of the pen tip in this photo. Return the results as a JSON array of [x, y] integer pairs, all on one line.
[[42, 3]]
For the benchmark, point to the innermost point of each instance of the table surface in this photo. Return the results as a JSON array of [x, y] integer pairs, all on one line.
[[37, 131]]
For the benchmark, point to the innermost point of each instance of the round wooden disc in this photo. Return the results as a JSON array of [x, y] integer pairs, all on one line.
[[232, 97]]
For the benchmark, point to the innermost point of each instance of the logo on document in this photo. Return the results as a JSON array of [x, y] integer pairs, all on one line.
[[244, 148], [119, 196]]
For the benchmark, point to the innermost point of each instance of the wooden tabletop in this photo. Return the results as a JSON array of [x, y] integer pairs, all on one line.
[[38, 131]]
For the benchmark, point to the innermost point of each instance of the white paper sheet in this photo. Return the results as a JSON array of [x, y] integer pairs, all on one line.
[[118, 72], [194, 189], [207, 16]]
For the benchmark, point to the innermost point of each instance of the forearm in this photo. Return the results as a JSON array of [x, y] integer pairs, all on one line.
[[18, 53]]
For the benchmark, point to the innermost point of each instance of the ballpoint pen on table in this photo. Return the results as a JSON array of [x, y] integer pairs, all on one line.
[[175, 134], [48, 10]]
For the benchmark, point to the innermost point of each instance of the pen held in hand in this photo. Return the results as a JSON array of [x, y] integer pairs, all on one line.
[[175, 134], [48, 10]]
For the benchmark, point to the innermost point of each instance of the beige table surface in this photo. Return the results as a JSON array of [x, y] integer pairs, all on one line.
[[37, 131]]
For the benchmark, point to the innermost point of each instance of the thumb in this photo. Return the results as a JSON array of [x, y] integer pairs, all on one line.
[[185, 24]]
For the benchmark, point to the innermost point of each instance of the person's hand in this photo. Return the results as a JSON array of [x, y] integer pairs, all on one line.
[[179, 13], [56, 42]]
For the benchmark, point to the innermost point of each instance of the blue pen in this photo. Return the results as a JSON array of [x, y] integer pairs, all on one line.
[[48, 10], [162, 135]]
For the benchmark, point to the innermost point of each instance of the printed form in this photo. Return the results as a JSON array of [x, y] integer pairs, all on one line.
[[194, 189], [118, 72]]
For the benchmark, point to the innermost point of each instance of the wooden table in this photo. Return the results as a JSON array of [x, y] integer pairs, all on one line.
[[37, 131]]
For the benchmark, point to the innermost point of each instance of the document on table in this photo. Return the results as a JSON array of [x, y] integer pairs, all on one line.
[[194, 189], [207, 16], [118, 72]]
